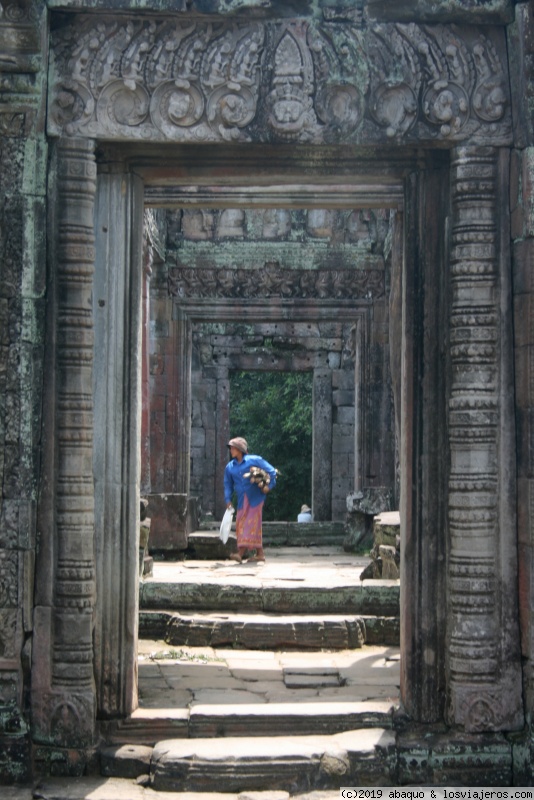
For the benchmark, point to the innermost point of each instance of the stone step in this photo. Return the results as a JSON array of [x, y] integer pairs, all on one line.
[[294, 764], [367, 598], [148, 726], [268, 631], [205, 544], [92, 787]]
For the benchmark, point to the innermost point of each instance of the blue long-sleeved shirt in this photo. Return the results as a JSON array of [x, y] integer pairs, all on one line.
[[234, 480]]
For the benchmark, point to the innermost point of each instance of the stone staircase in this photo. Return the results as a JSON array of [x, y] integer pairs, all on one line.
[[312, 704]]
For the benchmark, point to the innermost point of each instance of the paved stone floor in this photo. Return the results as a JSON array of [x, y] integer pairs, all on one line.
[[180, 677], [314, 566]]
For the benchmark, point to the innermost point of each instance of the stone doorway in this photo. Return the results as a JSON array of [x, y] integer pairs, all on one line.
[[197, 311], [389, 147], [281, 289]]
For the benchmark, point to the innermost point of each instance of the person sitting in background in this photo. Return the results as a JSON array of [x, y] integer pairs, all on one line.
[[305, 514]]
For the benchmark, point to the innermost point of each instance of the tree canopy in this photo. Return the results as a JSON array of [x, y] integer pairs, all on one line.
[[273, 411]]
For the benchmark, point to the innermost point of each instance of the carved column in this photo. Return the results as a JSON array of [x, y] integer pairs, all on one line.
[[117, 445], [484, 671], [322, 445], [63, 689]]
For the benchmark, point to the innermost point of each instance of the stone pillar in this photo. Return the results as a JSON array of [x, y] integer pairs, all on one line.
[[148, 256], [322, 445], [63, 687], [222, 434], [523, 257], [179, 413], [484, 667], [117, 389]]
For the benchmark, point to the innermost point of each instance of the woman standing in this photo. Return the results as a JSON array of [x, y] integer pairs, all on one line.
[[250, 498]]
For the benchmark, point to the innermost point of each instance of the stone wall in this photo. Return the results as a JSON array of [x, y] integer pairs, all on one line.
[[23, 154]]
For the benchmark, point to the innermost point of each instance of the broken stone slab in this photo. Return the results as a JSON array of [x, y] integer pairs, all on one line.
[[288, 763], [390, 570], [294, 679], [386, 528], [362, 507], [126, 761]]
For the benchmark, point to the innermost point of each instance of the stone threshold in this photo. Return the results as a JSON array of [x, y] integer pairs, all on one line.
[[247, 593], [258, 631], [147, 726], [288, 763]]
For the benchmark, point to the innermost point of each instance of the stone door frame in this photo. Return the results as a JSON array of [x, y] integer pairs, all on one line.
[[356, 312], [459, 623], [430, 655]]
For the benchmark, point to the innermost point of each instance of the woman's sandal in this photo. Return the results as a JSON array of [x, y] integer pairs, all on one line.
[[236, 557], [256, 559]]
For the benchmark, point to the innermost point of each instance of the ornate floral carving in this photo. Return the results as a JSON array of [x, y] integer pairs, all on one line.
[[75, 568], [12, 124], [192, 283], [293, 81]]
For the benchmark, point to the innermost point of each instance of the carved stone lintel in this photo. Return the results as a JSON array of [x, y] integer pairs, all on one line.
[[273, 281], [484, 658], [314, 81]]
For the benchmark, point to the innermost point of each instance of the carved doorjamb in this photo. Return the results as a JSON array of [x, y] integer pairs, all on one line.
[[117, 311], [484, 665], [63, 686]]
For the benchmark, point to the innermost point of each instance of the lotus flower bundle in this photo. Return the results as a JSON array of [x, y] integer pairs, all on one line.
[[259, 477]]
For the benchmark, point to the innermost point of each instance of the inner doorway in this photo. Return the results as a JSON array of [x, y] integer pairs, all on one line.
[[274, 409], [354, 308]]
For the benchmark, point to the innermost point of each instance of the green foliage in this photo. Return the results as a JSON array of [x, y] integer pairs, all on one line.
[[273, 411]]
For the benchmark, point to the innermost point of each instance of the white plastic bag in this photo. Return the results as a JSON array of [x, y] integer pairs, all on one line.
[[226, 525]]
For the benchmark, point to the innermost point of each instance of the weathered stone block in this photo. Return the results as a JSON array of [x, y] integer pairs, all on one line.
[[344, 415], [371, 500], [342, 397], [168, 513], [126, 761], [359, 529]]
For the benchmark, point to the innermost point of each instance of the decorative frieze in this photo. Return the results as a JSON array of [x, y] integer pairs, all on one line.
[[275, 281], [164, 79]]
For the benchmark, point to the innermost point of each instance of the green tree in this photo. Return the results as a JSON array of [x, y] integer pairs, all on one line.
[[273, 411]]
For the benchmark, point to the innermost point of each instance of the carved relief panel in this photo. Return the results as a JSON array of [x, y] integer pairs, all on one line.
[[292, 81]]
